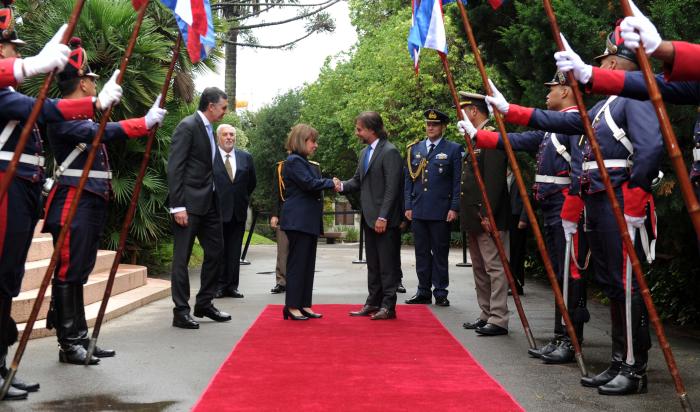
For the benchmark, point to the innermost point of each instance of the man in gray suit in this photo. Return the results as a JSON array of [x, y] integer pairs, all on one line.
[[378, 178], [195, 208]]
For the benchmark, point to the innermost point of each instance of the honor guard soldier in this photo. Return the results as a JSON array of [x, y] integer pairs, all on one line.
[[431, 201], [20, 209], [489, 275], [70, 145], [630, 141], [554, 161]]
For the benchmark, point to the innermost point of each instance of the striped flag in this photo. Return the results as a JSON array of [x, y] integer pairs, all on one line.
[[427, 30]]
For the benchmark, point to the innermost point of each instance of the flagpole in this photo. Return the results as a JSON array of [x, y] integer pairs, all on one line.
[[132, 207], [515, 167], [619, 219], [36, 111], [493, 230], [94, 145]]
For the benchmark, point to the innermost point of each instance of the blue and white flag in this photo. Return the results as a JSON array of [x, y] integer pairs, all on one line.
[[427, 30]]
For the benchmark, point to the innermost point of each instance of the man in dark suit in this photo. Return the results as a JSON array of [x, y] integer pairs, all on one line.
[[195, 208], [234, 178], [378, 178]]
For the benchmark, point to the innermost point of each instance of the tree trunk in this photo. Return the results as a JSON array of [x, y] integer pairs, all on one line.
[[230, 69]]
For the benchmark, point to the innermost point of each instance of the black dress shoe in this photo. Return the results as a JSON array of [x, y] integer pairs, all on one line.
[[383, 314], [236, 294], [548, 348], [366, 310], [421, 300], [310, 315], [491, 330], [185, 322], [401, 288], [104, 353], [13, 394], [287, 314], [278, 289], [473, 325], [76, 355], [442, 301], [564, 353], [212, 313], [627, 382], [19, 383]]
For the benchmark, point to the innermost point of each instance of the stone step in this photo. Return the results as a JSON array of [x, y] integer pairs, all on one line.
[[41, 248], [128, 277], [34, 271], [153, 290], [37, 230]]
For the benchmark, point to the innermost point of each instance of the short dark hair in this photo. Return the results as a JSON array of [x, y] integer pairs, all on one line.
[[373, 121], [210, 95], [68, 86]]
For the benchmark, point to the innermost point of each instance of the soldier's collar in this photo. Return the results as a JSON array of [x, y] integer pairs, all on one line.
[[483, 124]]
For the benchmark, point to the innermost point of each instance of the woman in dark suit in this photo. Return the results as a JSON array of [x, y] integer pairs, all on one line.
[[301, 219]]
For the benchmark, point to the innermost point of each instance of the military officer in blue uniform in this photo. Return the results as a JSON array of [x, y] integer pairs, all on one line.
[[554, 167], [20, 208], [70, 144], [629, 137], [431, 202]]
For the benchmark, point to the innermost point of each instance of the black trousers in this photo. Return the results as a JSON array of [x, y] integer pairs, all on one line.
[[382, 257], [208, 229], [231, 267], [19, 213], [518, 242], [432, 242], [301, 264]]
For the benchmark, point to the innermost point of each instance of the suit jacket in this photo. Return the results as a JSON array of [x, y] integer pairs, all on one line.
[[234, 197], [380, 186], [492, 165], [190, 174], [303, 206]]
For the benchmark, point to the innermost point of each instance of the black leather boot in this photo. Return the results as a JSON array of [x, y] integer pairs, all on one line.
[[8, 336], [69, 339], [82, 326], [633, 378], [617, 317], [544, 350], [16, 382], [564, 353]]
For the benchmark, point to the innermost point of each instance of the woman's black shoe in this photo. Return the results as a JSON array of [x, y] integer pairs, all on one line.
[[289, 315], [310, 315]]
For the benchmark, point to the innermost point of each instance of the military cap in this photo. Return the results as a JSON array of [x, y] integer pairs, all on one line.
[[8, 34], [615, 46], [473, 99], [77, 66], [559, 79], [436, 116]]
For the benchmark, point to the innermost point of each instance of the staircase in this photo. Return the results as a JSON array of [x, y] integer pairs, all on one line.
[[131, 288]]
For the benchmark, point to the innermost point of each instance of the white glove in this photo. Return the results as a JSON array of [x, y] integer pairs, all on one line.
[[465, 126], [497, 100], [638, 28], [54, 55], [634, 221], [570, 228], [155, 114], [111, 92], [568, 60]]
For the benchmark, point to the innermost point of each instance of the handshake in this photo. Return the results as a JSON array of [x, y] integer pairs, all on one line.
[[338, 184]]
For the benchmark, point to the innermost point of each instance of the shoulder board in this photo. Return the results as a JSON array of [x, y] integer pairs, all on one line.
[[315, 163], [490, 128], [280, 162]]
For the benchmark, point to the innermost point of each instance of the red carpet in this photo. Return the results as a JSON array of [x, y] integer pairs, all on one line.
[[341, 363]]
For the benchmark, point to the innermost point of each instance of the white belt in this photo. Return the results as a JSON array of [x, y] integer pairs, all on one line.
[[97, 174], [34, 160], [696, 155], [608, 164], [559, 180]]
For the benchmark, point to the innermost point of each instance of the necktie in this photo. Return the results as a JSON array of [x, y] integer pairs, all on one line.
[[431, 146], [227, 164], [368, 154]]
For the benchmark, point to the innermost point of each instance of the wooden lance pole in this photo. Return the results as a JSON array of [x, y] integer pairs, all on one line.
[[94, 145], [620, 219], [132, 207], [36, 110], [558, 297], [493, 230]]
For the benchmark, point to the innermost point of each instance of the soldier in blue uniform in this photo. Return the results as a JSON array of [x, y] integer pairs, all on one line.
[[431, 202], [630, 141], [555, 166], [20, 208], [70, 144]]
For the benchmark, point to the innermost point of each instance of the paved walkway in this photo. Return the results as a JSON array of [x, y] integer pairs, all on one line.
[[161, 368]]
